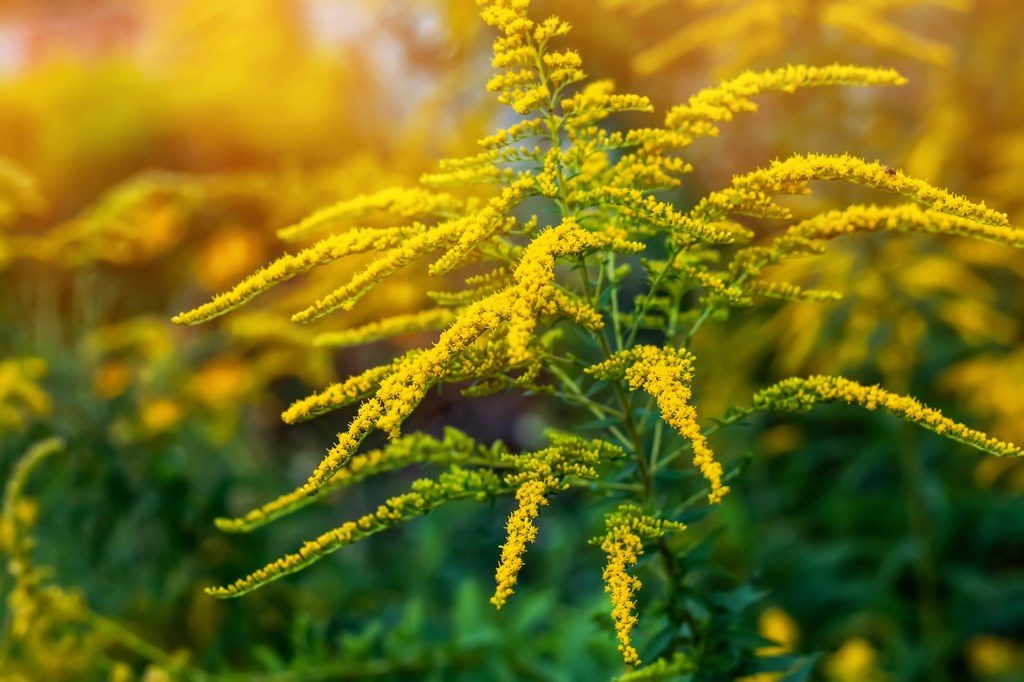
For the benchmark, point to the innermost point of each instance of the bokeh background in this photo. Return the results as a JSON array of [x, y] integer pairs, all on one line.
[[148, 152]]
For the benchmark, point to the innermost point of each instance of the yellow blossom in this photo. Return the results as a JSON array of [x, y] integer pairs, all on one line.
[[666, 374], [798, 394], [520, 531], [424, 496], [700, 114], [622, 543], [426, 320], [413, 202], [288, 266]]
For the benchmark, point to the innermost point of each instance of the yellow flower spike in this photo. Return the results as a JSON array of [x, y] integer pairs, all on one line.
[[714, 105], [424, 321], [288, 266], [426, 495], [622, 543], [792, 175], [646, 210], [666, 374], [401, 253], [808, 236], [455, 448], [481, 174], [790, 292], [340, 394], [515, 132], [717, 288], [483, 225], [623, 550], [573, 307], [413, 202], [536, 475], [799, 395], [520, 532], [903, 218], [480, 287], [348, 442], [535, 274], [402, 390]]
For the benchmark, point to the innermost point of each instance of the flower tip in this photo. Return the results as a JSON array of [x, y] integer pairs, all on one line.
[[716, 496], [225, 524]]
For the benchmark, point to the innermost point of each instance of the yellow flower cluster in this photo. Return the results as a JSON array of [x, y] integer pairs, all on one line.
[[792, 175], [288, 266], [536, 475], [340, 394], [623, 549], [713, 105], [807, 236], [903, 218], [532, 296], [400, 253], [799, 394], [426, 495], [644, 210], [515, 132], [535, 274], [790, 292], [532, 74], [479, 287], [412, 202], [717, 288], [474, 229], [455, 448], [423, 321], [625, 530], [595, 101], [666, 374], [520, 531]]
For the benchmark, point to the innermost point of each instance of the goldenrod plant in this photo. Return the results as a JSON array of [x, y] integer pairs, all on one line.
[[587, 282]]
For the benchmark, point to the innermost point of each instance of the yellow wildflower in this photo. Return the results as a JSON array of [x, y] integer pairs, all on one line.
[[713, 105], [622, 543], [286, 267], [623, 548], [798, 394], [792, 175], [413, 202], [520, 531], [426, 320], [666, 374], [425, 495]]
